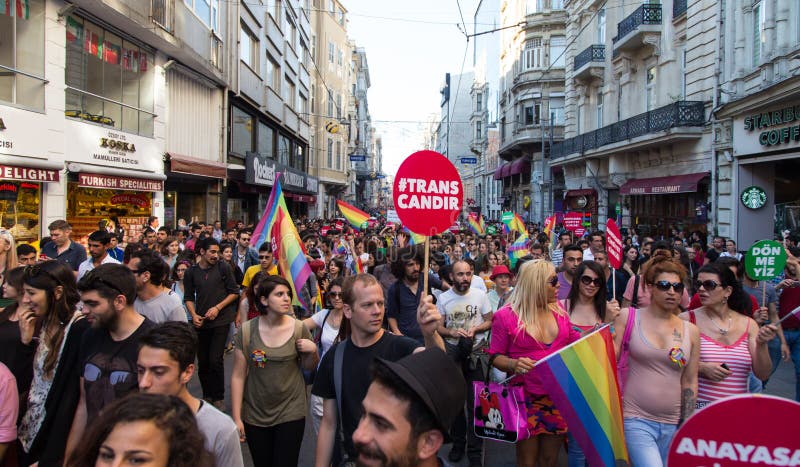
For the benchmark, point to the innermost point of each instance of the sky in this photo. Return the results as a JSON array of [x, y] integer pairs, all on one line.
[[410, 45]]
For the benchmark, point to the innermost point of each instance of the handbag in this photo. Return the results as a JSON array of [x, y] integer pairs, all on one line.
[[623, 362], [500, 412]]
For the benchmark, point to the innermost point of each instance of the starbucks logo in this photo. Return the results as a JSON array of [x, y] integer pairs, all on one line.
[[754, 197]]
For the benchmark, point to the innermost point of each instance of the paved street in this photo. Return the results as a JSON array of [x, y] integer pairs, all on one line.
[[497, 454]]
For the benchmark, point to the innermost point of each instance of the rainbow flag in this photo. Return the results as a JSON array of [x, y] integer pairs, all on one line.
[[582, 381], [341, 248], [514, 222], [356, 217], [476, 224], [276, 225], [414, 238], [319, 303], [359, 266], [518, 249], [549, 224]]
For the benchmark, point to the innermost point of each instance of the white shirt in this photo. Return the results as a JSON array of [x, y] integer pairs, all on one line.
[[88, 265], [478, 283], [464, 312]]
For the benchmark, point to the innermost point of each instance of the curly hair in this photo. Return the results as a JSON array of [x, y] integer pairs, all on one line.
[[662, 262], [169, 414]]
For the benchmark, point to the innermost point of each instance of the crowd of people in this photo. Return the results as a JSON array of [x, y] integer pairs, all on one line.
[[97, 350]]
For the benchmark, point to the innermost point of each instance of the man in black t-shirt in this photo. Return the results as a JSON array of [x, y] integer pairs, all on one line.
[[210, 293], [717, 248], [110, 348], [364, 308]]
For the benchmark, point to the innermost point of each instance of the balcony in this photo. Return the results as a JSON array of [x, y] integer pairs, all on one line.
[[641, 27], [679, 8], [675, 115], [590, 63]]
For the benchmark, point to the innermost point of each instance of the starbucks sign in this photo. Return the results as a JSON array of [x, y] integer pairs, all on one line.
[[754, 197]]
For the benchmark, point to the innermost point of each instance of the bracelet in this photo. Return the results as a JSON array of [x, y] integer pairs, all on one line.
[[511, 366]]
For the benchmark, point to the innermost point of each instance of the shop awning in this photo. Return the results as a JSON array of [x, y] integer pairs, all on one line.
[[193, 166], [663, 185], [301, 198], [521, 165], [498, 172], [581, 192]]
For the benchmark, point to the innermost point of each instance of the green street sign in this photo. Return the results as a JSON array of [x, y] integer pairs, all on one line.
[[491, 230], [507, 216], [765, 260], [754, 197]]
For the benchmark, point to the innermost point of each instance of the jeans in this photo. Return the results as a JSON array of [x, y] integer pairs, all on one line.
[[211, 344], [793, 341], [575, 455], [648, 441], [754, 385]]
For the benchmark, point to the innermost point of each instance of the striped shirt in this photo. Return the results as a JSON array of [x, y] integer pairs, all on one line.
[[557, 257], [738, 360]]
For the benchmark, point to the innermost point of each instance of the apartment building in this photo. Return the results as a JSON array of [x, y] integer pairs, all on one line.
[[363, 173], [454, 133], [640, 82], [531, 101]]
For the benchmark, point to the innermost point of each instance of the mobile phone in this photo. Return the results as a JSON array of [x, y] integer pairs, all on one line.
[[725, 366], [795, 284]]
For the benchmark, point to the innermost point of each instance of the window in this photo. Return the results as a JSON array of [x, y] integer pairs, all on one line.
[[216, 51], [601, 26], [330, 52], [338, 155], [599, 112], [557, 48], [313, 149], [478, 130], [276, 12], [284, 149], [531, 114], [248, 48], [313, 47], [650, 88], [303, 105], [22, 50], [331, 6], [330, 153], [479, 102], [273, 74], [340, 16], [313, 99], [339, 56], [533, 6], [557, 110], [339, 106], [242, 125], [330, 104], [557, 4], [291, 33], [503, 129], [109, 79], [759, 33], [266, 140], [206, 10], [683, 74], [578, 116], [533, 54], [290, 94]]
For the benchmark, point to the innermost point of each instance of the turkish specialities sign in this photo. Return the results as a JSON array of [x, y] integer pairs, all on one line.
[[745, 430], [113, 182], [765, 260], [754, 197], [428, 193]]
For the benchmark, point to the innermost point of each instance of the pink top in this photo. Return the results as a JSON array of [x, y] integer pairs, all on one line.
[[510, 338], [9, 405], [735, 356]]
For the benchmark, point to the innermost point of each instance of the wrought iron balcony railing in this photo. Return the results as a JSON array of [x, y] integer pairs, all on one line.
[[649, 13], [593, 53], [679, 8]]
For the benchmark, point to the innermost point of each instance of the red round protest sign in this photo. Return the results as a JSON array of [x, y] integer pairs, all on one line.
[[750, 429], [428, 193]]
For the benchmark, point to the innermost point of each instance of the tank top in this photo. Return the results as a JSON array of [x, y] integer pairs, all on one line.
[[735, 356], [653, 387], [578, 327]]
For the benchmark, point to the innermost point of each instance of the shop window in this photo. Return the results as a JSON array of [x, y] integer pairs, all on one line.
[[22, 53], [86, 207], [109, 80], [266, 139], [19, 209], [242, 125], [284, 150]]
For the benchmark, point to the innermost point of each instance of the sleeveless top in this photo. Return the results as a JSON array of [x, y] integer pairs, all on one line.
[[577, 327], [735, 356], [653, 387]]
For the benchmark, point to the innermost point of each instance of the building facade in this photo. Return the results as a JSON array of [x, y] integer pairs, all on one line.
[[640, 82], [531, 100], [454, 133]]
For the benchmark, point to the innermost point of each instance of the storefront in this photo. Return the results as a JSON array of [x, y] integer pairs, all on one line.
[[658, 205], [193, 189], [766, 195], [299, 188], [583, 200]]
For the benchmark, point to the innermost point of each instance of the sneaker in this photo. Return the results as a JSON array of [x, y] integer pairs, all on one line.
[[456, 454]]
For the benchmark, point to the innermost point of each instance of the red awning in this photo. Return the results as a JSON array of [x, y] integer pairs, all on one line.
[[581, 192], [498, 172], [300, 198], [193, 166], [663, 185], [521, 165]]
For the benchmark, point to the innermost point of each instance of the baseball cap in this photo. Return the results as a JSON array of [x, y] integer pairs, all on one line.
[[435, 379]]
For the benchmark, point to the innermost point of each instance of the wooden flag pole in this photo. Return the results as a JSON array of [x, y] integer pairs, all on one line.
[[763, 293], [426, 266]]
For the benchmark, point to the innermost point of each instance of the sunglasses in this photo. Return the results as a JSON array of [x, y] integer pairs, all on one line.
[[553, 281], [709, 285], [264, 256], [665, 285], [586, 280], [335, 294]]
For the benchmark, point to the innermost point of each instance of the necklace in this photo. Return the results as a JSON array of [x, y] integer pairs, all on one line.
[[722, 331]]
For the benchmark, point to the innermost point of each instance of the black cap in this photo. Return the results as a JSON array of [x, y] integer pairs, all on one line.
[[435, 379]]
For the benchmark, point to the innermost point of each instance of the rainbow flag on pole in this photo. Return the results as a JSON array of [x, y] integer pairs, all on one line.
[[582, 381], [356, 217], [476, 224], [414, 238], [518, 249], [276, 225], [514, 222]]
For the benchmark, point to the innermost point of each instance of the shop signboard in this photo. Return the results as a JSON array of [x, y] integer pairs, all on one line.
[[261, 170], [754, 197], [102, 146], [8, 172], [771, 129], [21, 133], [113, 182]]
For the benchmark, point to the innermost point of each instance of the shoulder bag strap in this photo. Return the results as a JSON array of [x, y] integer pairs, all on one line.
[[626, 337], [635, 300], [246, 330], [338, 361]]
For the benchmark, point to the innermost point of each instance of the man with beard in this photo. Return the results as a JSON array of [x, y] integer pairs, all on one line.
[[573, 256], [154, 300], [98, 252], [413, 397], [404, 295], [342, 378], [466, 320], [110, 348]]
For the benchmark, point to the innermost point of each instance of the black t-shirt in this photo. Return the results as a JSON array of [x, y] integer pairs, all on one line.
[[109, 366], [712, 255], [209, 287], [356, 376]]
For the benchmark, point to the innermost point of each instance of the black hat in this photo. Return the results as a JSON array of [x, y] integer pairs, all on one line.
[[435, 379]]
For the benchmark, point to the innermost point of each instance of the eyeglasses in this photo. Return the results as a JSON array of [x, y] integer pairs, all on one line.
[[264, 256], [665, 285], [553, 281], [244, 239], [709, 285], [335, 294], [586, 280]]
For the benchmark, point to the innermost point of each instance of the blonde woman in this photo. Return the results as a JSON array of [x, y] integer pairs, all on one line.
[[528, 328], [8, 253]]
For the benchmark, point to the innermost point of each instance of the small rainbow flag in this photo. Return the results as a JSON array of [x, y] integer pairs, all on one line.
[[359, 266], [518, 249], [549, 224], [342, 248], [514, 222], [476, 224], [582, 381], [356, 217], [277, 226], [319, 303], [414, 238]]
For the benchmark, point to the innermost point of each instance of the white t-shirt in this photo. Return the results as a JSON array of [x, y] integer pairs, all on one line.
[[478, 283], [222, 437], [329, 332], [166, 306], [88, 265], [464, 312]]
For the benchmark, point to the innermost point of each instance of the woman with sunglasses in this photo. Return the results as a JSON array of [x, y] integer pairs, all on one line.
[[586, 302], [327, 323], [528, 328], [660, 388], [48, 308], [268, 394], [731, 343]]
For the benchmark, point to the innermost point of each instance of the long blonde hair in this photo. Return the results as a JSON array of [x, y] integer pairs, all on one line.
[[11, 255], [531, 295]]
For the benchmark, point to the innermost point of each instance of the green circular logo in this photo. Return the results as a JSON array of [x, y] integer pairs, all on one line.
[[754, 197], [765, 260]]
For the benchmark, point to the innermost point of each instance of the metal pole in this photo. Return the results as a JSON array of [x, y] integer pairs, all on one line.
[[541, 187], [546, 176]]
